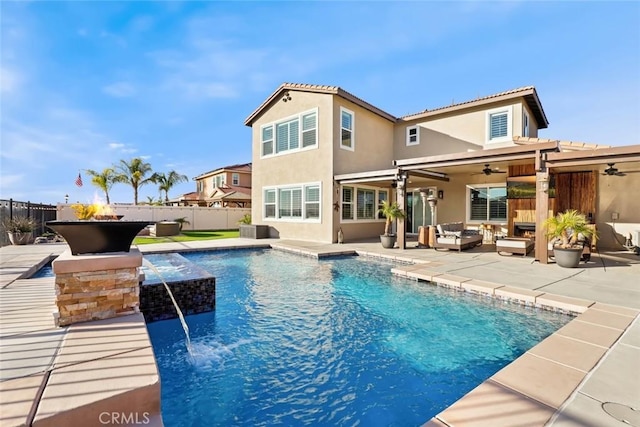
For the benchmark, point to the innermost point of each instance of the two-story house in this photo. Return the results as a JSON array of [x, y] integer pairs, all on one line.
[[228, 186], [324, 159]]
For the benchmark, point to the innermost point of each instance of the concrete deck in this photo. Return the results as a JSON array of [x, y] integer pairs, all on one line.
[[576, 377]]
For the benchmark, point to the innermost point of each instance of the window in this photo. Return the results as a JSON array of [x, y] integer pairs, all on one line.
[[366, 204], [267, 140], [309, 126], [218, 180], [499, 125], [347, 203], [235, 178], [269, 203], [487, 203], [383, 196], [413, 137], [292, 134], [287, 137], [361, 203], [292, 202], [312, 202], [346, 129], [525, 122]]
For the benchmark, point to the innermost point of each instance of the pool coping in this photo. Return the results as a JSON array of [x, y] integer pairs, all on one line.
[[522, 387]]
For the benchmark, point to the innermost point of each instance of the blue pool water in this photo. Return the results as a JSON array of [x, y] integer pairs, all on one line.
[[300, 341]]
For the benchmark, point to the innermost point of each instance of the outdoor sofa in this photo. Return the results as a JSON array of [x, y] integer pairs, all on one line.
[[453, 235]]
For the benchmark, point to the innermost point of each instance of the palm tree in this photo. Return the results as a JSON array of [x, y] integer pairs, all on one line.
[[167, 181], [103, 180], [134, 172]]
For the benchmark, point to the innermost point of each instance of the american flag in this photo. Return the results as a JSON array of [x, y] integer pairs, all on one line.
[[79, 180]]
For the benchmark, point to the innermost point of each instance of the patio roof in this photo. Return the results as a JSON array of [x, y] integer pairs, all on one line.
[[520, 152], [623, 154]]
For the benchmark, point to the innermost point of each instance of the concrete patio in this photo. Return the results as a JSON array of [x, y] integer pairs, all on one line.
[[576, 377]]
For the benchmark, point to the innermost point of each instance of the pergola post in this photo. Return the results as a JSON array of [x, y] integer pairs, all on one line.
[[400, 199], [542, 212]]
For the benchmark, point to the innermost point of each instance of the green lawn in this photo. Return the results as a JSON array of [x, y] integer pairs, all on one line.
[[187, 236]]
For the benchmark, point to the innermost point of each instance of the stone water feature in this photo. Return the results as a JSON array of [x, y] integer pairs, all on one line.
[[98, 276]]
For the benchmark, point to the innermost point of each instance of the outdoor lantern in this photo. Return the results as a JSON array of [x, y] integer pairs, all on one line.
[[544, 183]]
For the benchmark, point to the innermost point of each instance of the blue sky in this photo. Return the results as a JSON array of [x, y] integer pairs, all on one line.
[[85, 84]]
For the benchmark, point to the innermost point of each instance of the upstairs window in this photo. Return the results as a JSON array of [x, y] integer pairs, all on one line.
[[235, 178], [525, 123], [499, 125], [267, 140], [346, 129], [291, 134], [413, 136]]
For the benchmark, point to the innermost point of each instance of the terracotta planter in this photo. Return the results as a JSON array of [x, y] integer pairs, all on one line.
[[84, 237], [388, 240], [568, 258], [20, 238]]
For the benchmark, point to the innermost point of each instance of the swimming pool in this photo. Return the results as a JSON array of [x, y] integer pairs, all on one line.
[[340, 341]]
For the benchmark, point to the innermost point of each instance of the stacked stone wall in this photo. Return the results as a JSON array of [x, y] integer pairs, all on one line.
[[95, 295]]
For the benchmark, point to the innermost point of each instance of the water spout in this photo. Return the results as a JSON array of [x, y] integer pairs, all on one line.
[[175, 304]]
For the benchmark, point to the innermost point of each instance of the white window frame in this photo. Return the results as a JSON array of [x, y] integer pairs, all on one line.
[[354, 203], [471, 187], [235, 178], [526, 123], [417, 135], [352, 147], [274, 141], [277, 189], [274, 203], [508, 110]]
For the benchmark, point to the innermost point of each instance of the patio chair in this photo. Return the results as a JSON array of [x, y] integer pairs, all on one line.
[[453, 235]]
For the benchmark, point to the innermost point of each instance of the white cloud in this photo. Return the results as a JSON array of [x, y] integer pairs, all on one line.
[[115, 145], [120, 90], [9, 80], [129, 150]]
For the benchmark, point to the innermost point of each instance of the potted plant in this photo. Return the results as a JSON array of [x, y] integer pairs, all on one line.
[[392, 212], [20, 230], [565, 229]]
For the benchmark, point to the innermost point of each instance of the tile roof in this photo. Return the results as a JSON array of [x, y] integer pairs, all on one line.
[[241, 167], [333, 90], [527, 92]]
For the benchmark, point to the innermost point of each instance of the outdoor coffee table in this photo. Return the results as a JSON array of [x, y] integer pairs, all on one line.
[[514, 245]]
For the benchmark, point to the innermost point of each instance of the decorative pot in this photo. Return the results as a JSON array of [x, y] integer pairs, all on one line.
[[19, 238], [567, 257], [388, 240], [84, 237]]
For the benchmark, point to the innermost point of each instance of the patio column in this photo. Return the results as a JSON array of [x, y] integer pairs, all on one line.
[[400, 199], [542, 212]]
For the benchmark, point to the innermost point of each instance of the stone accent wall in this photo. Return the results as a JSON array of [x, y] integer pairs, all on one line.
[[96, 286], [95, 295]]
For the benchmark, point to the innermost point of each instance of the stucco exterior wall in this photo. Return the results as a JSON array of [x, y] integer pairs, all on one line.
[[300, 167], [373, 141], [458, 131], [617, 194]]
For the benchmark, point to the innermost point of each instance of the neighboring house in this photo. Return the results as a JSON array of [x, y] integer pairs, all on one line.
[[324, 159], [229, 186]]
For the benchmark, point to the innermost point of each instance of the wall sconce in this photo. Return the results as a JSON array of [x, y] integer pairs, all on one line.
[[440, 194], [544, 183]]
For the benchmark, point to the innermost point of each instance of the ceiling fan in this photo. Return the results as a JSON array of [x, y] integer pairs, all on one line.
[[488, 171], [613, 171]]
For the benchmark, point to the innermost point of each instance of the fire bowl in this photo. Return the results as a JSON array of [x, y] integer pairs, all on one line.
[[96, 237]]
